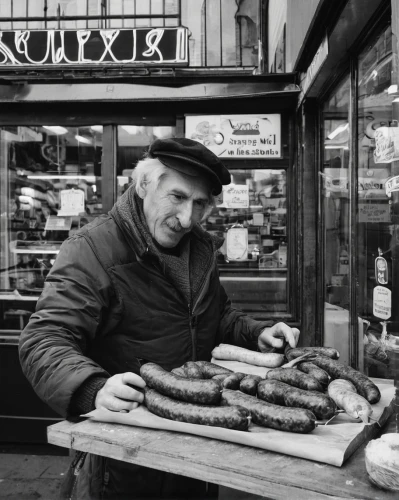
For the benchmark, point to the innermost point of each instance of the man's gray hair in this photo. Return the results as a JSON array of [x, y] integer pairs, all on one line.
[[152, 170]]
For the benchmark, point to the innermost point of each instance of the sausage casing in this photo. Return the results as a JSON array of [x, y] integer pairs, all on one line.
[[206, 392], [192, 370], [364, 386], [209, 369], [276, 392], [235, 417], [318, 373], [294, 377], [233, 381], [295, 352], [249, 384], [270, 415]]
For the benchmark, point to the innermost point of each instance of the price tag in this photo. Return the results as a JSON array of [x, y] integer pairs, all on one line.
[[236, 196], [72, 202], [382, 302]]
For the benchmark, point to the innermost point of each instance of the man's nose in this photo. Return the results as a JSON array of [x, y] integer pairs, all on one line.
[[185, 215]]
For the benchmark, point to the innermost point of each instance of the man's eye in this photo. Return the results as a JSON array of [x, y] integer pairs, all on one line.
[[200, 204], [177, 197]]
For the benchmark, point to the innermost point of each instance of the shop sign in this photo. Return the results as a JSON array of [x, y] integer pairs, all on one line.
[[386, 144], [381, 271], [382, 302], [97, 46], [237, 136], [236, 196], [374, 212], [392, 185]]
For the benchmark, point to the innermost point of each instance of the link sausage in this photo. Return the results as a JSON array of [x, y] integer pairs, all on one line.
[[276, 392], [311, 369], [249, 384], [294, 377], [270, 415], [235, 417], [330, 352], [207, 392]]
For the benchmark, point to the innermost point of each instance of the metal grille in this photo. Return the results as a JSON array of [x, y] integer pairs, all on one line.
[[223, 33]]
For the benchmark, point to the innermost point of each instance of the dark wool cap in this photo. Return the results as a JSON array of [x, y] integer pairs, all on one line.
[[179, 153]]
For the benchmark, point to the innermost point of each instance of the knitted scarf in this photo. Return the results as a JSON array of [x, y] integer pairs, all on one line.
[[185, 269]]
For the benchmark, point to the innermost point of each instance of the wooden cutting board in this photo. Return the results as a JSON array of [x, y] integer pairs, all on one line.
[[331, 444]]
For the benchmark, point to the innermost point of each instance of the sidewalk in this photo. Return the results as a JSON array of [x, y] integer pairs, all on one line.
[[28, 476]]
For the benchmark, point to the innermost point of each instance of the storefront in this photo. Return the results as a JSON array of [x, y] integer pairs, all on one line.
[[348, 128], [83, 94]]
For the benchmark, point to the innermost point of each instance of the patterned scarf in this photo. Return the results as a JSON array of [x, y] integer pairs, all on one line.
[[186, 269]]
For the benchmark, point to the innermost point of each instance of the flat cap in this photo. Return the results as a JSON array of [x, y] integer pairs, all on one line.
[[179, 153]]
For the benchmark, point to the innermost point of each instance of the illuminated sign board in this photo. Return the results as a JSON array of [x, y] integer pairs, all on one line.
[[143, 46]]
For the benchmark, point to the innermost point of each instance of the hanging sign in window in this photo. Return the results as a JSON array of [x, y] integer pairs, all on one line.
[[72, 202], [237, 243], [236, 196], [381, 271], [382, 302], [386, 144], [237, 136]]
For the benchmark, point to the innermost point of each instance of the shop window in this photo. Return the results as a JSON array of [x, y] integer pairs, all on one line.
[[376, 225], [50, 186], [334, 183]]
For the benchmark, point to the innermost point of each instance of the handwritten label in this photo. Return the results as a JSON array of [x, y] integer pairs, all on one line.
[[72, 202], [392, 185], [386, 144], [107, 46], [237, 136], [235, 196], [56, 223], [382, 302], [374, 212]]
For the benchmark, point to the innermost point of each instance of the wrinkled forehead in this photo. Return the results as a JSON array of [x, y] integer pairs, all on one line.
[[190, 181]]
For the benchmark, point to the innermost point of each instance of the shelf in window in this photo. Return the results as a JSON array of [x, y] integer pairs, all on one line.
[[34, 247], [15, 295], [251, 278]]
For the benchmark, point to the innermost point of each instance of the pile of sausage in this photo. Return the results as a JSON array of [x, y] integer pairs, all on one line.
[[288, 399]]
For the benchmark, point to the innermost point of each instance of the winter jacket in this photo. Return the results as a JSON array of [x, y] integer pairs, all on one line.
[[107, 307]]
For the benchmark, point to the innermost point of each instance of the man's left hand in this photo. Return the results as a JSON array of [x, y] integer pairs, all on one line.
[[278, 336]]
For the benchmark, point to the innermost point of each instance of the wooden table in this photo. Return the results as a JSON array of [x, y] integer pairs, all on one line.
[[251, 470]]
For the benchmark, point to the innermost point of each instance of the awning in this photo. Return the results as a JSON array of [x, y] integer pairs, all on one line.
[[117, 92]]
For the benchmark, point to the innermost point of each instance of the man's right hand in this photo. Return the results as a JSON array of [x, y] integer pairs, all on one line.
[[117, 393]]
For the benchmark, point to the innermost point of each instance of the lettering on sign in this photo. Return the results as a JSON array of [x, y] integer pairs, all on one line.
[[236, 196], [382, 302], [237, 136], [104, 46]]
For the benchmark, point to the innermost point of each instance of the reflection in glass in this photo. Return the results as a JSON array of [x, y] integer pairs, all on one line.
[[335, 219], [376, 230], [50, 186]]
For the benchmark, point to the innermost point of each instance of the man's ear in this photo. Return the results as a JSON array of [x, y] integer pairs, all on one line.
[[141, 188]]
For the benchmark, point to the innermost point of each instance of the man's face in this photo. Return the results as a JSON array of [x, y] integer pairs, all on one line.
[[174, 206]]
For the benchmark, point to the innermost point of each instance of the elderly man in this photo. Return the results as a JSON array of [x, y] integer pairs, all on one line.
[[139, 284]]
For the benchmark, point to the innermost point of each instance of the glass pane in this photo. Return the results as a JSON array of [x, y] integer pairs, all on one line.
[[377, 230], [50, 186], [335, 220], [133, 142], [223, 33], [253, 259]]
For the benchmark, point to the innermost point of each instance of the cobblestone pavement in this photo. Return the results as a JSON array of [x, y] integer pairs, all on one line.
[[31, 477]]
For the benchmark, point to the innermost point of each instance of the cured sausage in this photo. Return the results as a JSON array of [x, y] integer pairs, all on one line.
[[235, 417], [207, 392], [233, 381], [179, 371], [295, 352], [192, 370], [270, 415], [364, 386], [345, 396], [311, 369], [235, 353], [276, 392], [209, 369], [249, 384], [294, 377]]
